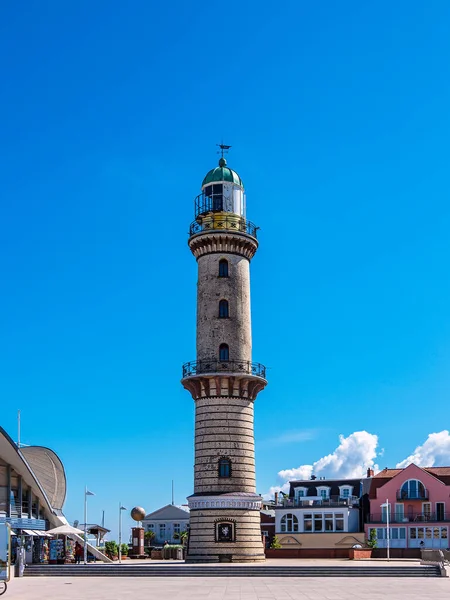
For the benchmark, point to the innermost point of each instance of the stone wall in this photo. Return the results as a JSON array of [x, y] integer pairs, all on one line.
[[212, 330]]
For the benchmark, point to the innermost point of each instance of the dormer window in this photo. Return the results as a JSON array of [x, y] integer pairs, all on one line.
[[301, 492], [323, 491], [345, 491]]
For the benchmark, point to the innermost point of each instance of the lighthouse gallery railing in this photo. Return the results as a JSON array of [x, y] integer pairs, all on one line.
[[200, 367]]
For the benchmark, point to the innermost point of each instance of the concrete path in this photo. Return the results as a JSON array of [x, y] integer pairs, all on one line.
[[86, 588]]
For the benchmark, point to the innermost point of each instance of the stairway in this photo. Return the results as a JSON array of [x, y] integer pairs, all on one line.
[[182, 570]]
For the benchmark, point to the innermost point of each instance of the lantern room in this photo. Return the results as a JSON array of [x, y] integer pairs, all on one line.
[[222, 192]]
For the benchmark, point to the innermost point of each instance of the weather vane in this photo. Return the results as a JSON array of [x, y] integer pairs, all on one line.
[[223, 149]]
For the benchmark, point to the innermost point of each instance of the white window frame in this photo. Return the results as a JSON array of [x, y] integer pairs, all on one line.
[[427, 509], [399, 514], [323, 488], [345, 487], [436, 510], [300, 489]]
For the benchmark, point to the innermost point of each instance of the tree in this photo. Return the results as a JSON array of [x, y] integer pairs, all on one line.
[[148, 537], [183, 536], [275, 543]]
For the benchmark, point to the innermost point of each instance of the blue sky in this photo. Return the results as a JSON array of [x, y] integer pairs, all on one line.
[[338, 117]]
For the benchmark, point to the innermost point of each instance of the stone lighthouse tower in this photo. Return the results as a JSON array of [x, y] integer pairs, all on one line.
[[223, 381]]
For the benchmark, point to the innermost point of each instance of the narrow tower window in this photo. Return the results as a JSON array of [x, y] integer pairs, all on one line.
[[224, 352], [223, 309], [223, 268], [224, 467]]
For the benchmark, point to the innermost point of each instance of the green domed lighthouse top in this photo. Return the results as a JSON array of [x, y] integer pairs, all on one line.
[[222, 173]]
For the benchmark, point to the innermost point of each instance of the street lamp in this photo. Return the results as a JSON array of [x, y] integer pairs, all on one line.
[[86, 494], [121, 508], [386, 505]]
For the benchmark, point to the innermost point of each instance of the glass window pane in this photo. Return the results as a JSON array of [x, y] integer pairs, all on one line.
[[339, 524], [394, 533], [380, 534], [402, 533], [420, 533], [307, 522], [318, 524], [413, 533], [444, 533]]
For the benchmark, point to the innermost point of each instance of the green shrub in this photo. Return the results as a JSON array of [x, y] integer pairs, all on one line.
[[275, 543], [372, 541], [111, 549]]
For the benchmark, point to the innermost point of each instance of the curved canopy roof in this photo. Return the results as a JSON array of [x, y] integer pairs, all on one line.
[[49, 470], [14, 456]]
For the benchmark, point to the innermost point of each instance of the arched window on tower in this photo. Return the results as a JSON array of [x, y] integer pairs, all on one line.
[[223, 268], [224, 352], [223, 309], [224, 467]]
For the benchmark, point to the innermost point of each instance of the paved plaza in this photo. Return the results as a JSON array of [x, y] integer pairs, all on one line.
[[218, 588]]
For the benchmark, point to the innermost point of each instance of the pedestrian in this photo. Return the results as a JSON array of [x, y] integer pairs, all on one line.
[[78, 553]]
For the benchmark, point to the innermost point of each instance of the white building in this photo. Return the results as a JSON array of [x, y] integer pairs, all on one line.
[[166, 522]]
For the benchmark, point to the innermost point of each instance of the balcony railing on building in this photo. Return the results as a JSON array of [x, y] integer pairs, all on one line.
[[412, 495], [203, 367], [409, 518], [331, 501]]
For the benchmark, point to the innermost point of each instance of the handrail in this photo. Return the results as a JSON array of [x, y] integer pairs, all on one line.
[[199, 367]]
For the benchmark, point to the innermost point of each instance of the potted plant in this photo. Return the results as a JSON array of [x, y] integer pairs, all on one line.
[[111, 550], [363, 553], [124, 550]]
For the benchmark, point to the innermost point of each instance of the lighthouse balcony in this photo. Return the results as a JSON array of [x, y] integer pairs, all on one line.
[[222, 221], [203, 367]]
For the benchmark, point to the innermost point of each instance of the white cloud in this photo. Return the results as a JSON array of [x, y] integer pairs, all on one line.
[[434, 452], [351, 458], [290, 437]]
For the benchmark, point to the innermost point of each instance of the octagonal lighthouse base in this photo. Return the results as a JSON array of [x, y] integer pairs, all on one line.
[[225, 528]]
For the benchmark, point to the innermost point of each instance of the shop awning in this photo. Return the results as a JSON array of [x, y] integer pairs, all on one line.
[[42, 534], [27, 532]]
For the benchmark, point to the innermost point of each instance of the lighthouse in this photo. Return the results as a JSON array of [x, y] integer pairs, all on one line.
[[223, 380]]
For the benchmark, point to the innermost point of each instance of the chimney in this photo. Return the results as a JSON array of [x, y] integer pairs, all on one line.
[[313, 477], [370, 472], [276, 498]]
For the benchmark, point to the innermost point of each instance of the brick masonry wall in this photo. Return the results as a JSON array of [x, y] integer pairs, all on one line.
[[224, 427]]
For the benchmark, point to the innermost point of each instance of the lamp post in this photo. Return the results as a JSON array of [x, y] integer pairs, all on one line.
[[386, 505], [86, 494], [121, 508]]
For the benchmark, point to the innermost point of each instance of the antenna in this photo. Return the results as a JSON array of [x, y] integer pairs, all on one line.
[[223, 149], [18, 428], [172, 493]]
